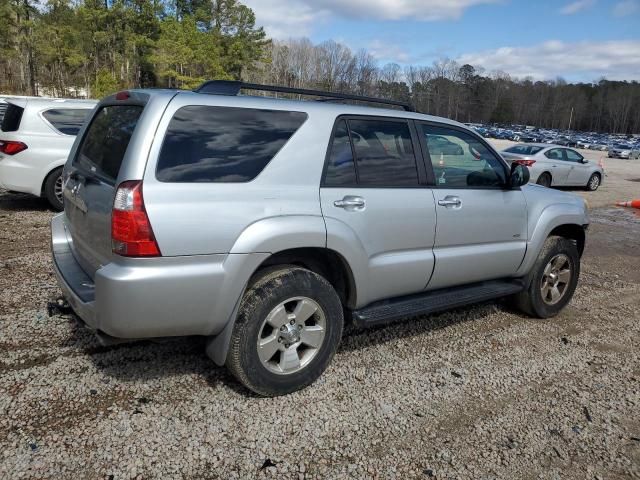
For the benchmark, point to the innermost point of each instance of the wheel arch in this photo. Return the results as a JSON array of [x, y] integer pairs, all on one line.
[[546, 172], [50, 171], [323, 261], [573, 232]]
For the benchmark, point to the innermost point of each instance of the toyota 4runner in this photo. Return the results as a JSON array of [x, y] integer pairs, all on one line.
[[266, 224]]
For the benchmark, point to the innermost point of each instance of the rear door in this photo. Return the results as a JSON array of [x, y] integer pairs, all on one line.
[[377, 206], [91, 182], [481, 226]]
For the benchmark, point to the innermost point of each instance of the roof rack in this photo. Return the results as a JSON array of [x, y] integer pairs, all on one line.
[[232, 88]]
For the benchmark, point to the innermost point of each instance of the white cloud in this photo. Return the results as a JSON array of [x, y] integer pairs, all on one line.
[[626, 7], [285, 18], [583, 61], [577, 6], [387, 51]]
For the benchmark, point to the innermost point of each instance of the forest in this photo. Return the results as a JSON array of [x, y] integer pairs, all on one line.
[[91, 48]]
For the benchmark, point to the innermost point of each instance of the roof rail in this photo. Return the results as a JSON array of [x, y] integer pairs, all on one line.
[[231, 87]]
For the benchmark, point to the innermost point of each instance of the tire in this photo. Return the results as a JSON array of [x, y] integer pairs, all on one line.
[[52, 184], [544, 180], [531, 300], [277, 294], [594, 182]]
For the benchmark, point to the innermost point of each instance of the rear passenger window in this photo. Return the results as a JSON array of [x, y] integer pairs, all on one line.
[[67, 120], [106, 140], [223, 144], [340, 168], [384, 153]]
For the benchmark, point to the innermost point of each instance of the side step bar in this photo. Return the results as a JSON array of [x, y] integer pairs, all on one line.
[[386, 311]]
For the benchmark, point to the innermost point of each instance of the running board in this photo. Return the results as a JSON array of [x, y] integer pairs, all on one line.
[[386, 311]]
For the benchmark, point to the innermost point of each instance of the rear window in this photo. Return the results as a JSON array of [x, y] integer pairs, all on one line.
[[106, 140], [12, 118], [523, 149], [67, 120], [223, 144]]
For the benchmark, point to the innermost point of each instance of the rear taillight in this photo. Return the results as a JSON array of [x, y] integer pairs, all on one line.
[[131, 233], [526, 163], [9, 147]]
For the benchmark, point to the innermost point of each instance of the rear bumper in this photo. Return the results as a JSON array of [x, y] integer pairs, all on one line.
[[18, 176], [155, 297]]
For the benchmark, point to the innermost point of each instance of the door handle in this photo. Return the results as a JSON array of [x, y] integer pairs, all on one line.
[[350, 202], [450, 201]]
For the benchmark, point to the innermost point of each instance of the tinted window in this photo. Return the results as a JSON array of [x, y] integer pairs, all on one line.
[[523, 149], [67, 120], [223, 144], [572, 156], [106, 140], [462, 160], [384, 153], [554, 154], [12, 118], [340, 168]]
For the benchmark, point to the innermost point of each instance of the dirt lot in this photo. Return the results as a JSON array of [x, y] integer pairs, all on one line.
[[481, 392]]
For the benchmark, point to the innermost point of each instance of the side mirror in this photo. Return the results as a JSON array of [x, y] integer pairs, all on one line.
[[584, 160], [519, 175]]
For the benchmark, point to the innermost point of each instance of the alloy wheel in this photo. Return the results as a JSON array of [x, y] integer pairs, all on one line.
[[291, 336], [555, 279]]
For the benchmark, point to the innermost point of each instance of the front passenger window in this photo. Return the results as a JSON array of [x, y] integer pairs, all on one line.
[[460, 160]]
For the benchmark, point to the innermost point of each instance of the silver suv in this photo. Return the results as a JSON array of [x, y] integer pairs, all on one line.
[[266, 225]]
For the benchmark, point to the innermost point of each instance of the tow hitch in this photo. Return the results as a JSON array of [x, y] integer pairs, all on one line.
[[59, 306]]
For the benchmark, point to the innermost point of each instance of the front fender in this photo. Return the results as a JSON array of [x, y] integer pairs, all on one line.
[[551, 217]]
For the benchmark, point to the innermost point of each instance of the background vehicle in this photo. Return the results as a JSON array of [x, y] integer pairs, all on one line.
[[265, 224], [35, 138], [554, 165], [621, 150]]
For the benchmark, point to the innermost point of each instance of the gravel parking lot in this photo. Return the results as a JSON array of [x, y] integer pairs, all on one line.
[[480, 392]]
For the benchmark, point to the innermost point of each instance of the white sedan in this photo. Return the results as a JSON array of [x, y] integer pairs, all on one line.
[[555, 166]]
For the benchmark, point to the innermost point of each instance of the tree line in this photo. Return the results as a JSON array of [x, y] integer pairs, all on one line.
[[94, 47]]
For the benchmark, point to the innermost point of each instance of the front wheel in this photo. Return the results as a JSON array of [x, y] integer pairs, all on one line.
[[552, 280], [593, 183], [53, 189], [288, 328]]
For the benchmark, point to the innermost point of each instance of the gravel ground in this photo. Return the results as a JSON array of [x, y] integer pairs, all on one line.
[[481, 392]]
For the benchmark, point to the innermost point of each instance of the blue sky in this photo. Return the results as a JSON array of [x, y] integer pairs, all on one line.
[[579, 40]]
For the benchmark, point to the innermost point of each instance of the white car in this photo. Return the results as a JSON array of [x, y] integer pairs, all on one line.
[[36, 135], [555, 165]]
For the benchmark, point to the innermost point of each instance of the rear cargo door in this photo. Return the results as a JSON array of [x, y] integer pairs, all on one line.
[[92, 175]]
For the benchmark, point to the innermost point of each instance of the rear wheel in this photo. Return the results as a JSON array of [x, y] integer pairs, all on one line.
[[288, 328], [53, 189], [552, 280], [594, 182], [544, 180]]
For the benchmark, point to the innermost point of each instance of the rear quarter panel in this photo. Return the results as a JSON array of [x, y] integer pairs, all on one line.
[[278, 209]]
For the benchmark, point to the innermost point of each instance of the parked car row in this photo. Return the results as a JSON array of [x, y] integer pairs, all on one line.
[[617, 146], [35, 139]]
